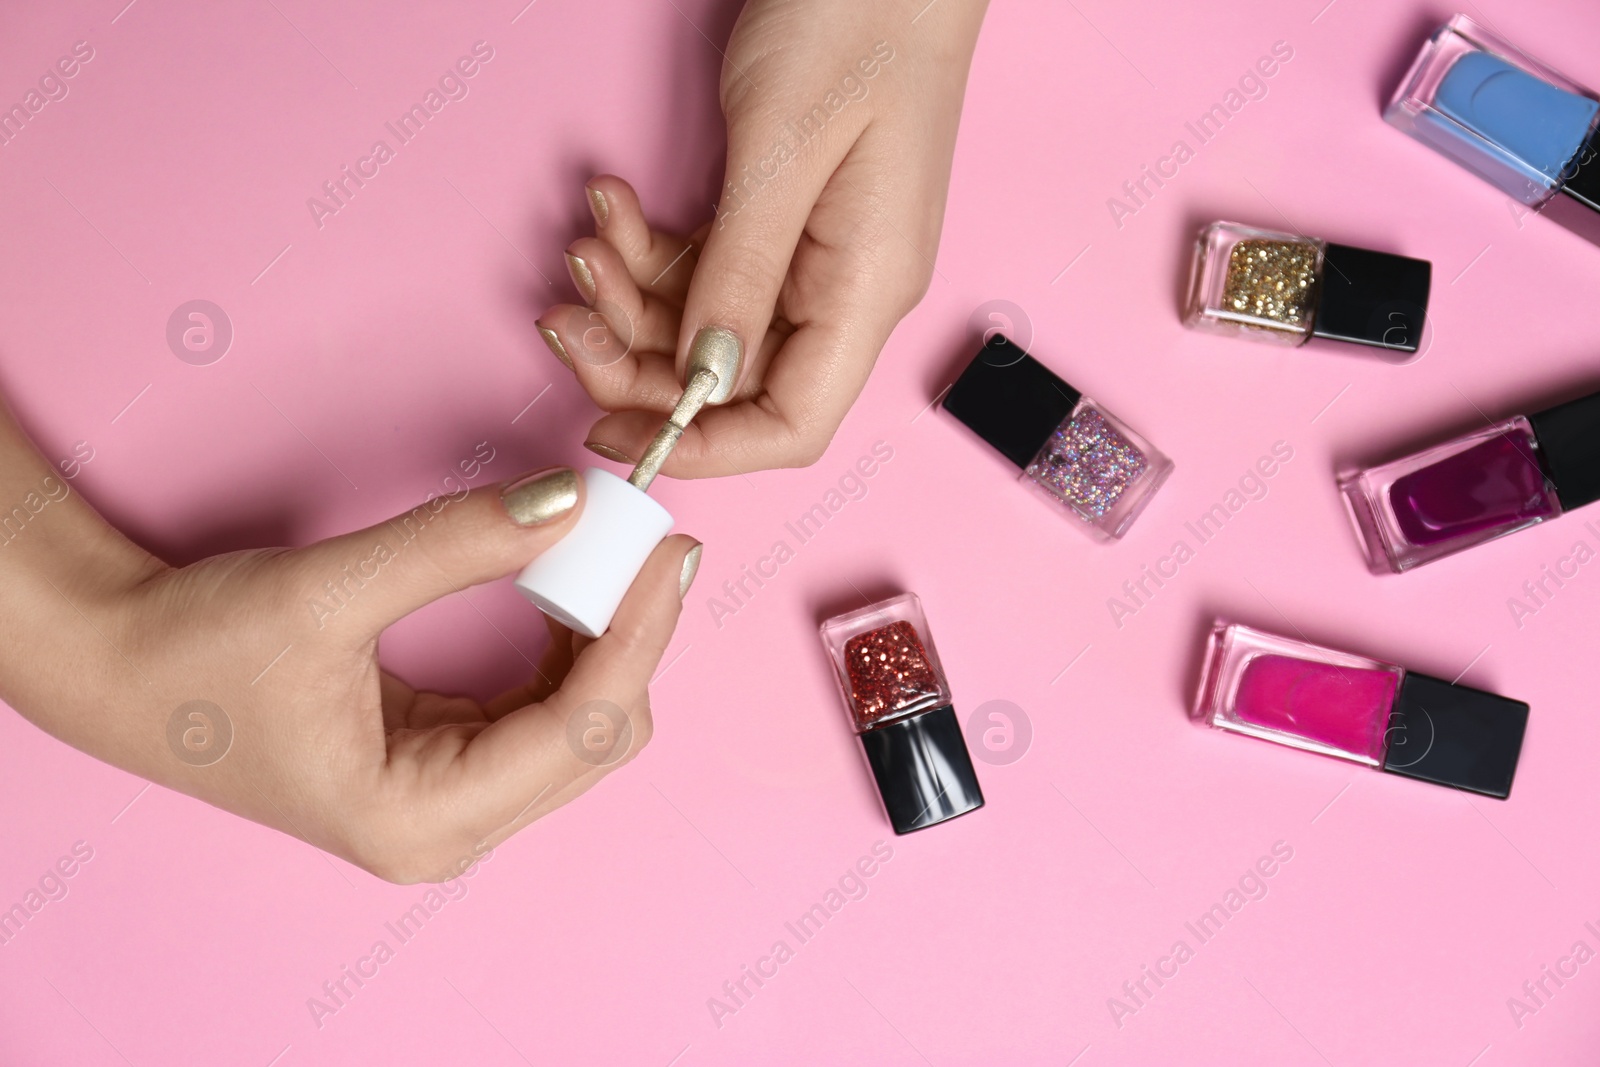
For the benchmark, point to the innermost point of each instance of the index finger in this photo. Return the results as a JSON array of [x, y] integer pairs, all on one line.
[[808, 389]]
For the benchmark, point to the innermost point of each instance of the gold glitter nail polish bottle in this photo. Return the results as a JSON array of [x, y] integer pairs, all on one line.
[[1284, 289]]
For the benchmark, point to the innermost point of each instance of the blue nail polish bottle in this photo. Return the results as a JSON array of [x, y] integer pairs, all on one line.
[[1509, 119]]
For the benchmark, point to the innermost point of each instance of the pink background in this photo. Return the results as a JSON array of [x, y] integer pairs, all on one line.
[[400, 335]]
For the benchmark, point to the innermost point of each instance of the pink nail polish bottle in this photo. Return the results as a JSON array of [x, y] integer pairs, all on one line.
[[1358, 709]]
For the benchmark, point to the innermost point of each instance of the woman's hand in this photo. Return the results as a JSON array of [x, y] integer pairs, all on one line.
[[251, 680], [842, 119]]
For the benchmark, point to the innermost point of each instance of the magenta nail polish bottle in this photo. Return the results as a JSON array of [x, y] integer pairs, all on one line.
[[1482, 485], [1358, 709], [1078, 455]]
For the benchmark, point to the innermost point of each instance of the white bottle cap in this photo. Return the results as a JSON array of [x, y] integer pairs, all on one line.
[[581, 579]]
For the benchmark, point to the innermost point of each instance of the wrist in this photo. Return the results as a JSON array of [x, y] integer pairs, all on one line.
[[49, 529], [64, 575], [65, 582]]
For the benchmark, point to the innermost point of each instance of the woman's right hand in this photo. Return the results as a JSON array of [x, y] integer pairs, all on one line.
[[842, 120]]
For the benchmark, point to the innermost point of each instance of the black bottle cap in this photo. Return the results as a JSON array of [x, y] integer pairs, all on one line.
[[1577, 206], [1454, 735], [1372, 298], [1569, 449], [1011, 400], [924, 773]]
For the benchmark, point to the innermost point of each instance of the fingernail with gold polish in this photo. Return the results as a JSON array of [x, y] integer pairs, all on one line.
[[598, 205], [716, 349], [541, 497], [555, 344], [581, 277], [607, 451], [691, 566]]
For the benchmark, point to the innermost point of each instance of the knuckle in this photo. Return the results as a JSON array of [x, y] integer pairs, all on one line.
[[916, 288], [400, 847], [644, 728], [743, 104], [369, 843], [387, 860], [742, 274], [410, 862], [810, 446], [907, 282], [395, 870], [641, 728]]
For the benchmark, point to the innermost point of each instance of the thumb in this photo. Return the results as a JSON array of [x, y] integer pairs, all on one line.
[[766, 200], [365, 581], [523, 763]]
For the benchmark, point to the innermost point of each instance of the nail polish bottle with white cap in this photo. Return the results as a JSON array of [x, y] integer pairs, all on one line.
[[580, 580]]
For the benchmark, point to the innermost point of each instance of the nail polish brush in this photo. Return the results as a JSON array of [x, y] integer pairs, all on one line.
[[581, 579]]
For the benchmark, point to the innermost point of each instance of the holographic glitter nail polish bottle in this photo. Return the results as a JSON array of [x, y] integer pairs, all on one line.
[[900, 707], [1362, 710], [1083, 458], [1485, 484], [1285, 289]]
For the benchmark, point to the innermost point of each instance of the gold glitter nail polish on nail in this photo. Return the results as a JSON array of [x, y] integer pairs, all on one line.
[[691, 566], [581, 277], [1275, 281], [717, 350], [597, 204], [541, 497], [608, 452], [554, 342]]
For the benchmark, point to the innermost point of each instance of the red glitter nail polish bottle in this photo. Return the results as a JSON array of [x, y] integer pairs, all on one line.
[[900, 707]]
